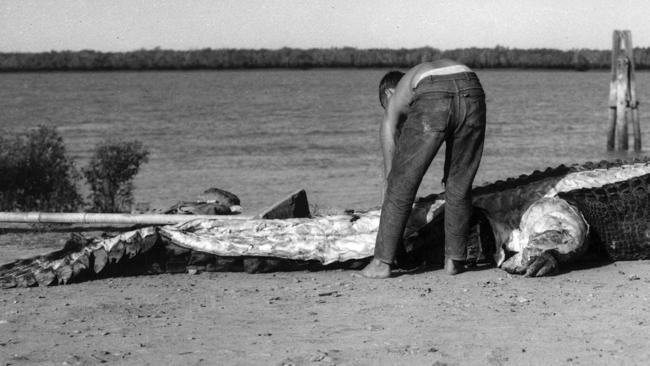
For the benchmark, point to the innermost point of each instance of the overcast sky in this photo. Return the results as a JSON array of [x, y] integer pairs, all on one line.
[[122, 25]]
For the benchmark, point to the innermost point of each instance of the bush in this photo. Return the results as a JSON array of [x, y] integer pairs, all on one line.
[[110, 174], [36, 173]]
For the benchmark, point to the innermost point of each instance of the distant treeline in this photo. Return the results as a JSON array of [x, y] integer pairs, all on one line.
[[347, 57]]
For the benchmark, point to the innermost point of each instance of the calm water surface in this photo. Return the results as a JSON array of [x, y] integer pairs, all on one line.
[[263, 134]]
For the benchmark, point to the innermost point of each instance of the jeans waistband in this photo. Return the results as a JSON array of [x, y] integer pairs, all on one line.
[[433, 80], [467, 75]]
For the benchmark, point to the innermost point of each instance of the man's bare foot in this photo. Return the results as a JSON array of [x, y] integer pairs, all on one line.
[[376, 269], [453, 267]]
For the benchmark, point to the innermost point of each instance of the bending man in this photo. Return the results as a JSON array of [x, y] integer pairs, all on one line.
[[440, 101]]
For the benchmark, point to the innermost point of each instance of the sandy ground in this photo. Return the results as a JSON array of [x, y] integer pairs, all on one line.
[[587, 316]]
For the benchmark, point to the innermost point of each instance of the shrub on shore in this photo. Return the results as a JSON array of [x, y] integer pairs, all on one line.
[[37, 174], [110, 174]]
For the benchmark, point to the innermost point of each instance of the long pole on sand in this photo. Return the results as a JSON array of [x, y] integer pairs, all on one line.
[[108, 218]]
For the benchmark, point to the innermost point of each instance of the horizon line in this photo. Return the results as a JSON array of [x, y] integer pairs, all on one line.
[[159, 48]]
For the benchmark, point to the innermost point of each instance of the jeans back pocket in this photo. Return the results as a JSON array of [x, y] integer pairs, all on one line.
[[430, 113], [475, 112]]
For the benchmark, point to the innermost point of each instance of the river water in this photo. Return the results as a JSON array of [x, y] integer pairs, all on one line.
[[262, 134]]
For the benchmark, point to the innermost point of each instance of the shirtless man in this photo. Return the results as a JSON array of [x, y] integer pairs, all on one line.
[[440, 101]]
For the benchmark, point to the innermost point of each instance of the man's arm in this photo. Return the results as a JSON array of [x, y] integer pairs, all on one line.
[[387, 140], [397, 106]]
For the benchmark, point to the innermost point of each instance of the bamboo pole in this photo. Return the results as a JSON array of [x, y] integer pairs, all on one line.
[[294, 205], [108, 218]]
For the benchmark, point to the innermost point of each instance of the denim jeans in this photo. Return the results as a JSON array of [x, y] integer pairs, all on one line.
[[445, 108]]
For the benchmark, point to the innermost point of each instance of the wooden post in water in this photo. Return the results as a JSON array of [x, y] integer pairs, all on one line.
[[623, 105], [622, 69], [633, 104], [611, 130]]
